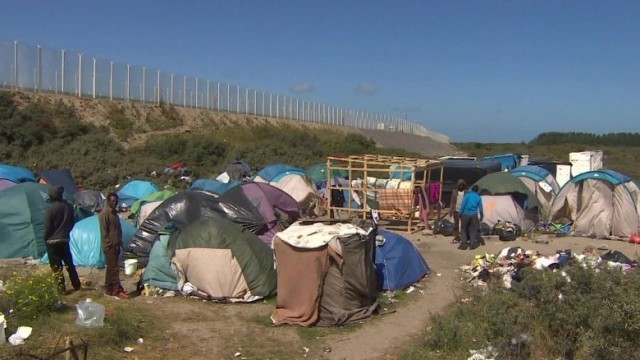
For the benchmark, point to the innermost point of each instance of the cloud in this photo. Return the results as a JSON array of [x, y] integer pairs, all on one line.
[[302, 88], [366, 88]]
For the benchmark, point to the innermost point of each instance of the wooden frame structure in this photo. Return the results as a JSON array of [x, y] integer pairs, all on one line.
[[414, 175]]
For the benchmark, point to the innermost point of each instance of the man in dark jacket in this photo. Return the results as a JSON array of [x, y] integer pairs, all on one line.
[[111, 236], [59, 220], [454, 207]]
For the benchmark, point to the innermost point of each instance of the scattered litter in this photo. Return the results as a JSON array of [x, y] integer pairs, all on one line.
[[128, 349], [140, 340], [237, 354], [3, 325], [465, 300], [421, 292], [89, 314], [327, 349], [2, 286], [169, 293], [20, 336], [306, 351], [438, 274], [410, 290]]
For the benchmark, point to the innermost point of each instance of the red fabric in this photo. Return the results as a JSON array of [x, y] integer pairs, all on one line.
[[176, 166]]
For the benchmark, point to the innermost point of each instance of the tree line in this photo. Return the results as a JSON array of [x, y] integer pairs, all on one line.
[[590, 139]]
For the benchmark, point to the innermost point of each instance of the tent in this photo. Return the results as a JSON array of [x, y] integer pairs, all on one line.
[[238, 170], [134, 190], [539, 181], [59, 177], [275, 172], [398, 262], [277, 208], [85, 242], [22, 220], [213, 186], [88, 202], [4, 184], [145, 210], [468, 170], [158, 272], [505, 183], [16, 174], [503, 208], [600, 203], [222, 261], [156, 196], [302, 189], [326, 275], [318, 172]]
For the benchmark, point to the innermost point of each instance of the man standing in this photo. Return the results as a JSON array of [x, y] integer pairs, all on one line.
[[111, 235], [57, 226], [470, 208], [454, 207]]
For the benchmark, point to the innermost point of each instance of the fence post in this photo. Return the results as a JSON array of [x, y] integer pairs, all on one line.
[[15, 64], [184, 91], [197, 93], [159, 90], [110, 80], [80, 75], [277, 106], [128, 82], [62, 73], [93, 90], [171, 90], [255, 102], [228, 97], [38, 79], [208, 95], [246, 101], [218, 98], [144, 83]]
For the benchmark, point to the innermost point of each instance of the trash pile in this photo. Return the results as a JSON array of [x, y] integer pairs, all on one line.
[[509, 262]]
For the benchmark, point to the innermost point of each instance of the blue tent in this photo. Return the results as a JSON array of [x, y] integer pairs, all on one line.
[[59, 177], [85, 242], [158, 272], [16, 174], [398, 262], [213, 185], [275, 172], [134, 190]]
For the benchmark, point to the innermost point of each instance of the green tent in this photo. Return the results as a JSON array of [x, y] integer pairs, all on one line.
[[22, 209], [505, 183], [223, 261], [156, 196], [318, 172]]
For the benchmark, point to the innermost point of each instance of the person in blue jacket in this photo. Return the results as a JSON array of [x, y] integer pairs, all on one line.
[[470, 209]]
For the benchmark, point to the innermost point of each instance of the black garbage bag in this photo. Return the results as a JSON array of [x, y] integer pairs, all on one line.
[[485, 229], [506, 230], [444, 227], [616, 256]]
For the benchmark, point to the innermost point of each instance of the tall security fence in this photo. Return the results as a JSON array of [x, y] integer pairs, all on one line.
[[35, 68]]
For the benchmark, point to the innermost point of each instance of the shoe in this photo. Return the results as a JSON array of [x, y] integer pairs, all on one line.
[[482, 242], [474, 246], [462, 247], [122, 295]]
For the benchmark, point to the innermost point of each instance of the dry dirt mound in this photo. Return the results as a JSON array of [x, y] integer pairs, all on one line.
[[414, 143]]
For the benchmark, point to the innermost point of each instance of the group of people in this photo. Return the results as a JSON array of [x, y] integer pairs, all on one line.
[[59, 220], [467, 213]]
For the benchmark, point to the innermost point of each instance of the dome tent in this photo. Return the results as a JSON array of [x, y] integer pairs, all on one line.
[[540, 181], [16, 174], [134, 190], [222, 261], [398, 262]]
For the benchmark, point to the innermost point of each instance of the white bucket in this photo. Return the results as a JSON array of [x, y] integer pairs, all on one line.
[[130, 266]]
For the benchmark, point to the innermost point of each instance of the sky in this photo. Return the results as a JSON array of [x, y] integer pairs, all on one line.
[[487, 71]]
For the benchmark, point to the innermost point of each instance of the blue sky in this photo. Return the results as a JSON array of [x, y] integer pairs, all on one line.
[[500, 71]]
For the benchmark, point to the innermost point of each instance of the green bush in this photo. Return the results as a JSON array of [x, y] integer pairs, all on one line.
[[120, 123], [595, 315], [29, 296]]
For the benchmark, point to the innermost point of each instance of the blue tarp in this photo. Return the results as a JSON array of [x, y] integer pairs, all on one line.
[[85, 242], [134, 190], [398, 262], [59, 177], [275, 172], [507, 161], [213, 185], [402, 172], [16, 174]]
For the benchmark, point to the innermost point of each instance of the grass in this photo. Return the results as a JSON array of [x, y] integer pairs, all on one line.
[[592, 316]]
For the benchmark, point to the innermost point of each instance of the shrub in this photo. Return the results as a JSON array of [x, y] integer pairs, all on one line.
[[30, 295]]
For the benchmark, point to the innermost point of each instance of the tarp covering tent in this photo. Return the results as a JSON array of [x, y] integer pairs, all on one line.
[[398, 262], [326, 275], [505, 183], [134, 190], [158, 272], [600, 203], [4, 184], [88, 202], [16, 174], [238, 170], [85, 242], [145, 210], [222, 261], [156, 196], [506, 161], [275, 172], [22, 213], [540, 181], [503, 208], [213, 186], [277, 208], [59, 177]]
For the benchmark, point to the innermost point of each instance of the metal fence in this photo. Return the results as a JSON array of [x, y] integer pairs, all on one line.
[[35, 68]]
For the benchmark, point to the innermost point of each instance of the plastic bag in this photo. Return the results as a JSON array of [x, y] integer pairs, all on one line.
[[89, 314]]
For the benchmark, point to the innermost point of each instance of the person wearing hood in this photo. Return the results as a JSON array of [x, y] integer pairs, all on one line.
[[454, 207], [59, 220]]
